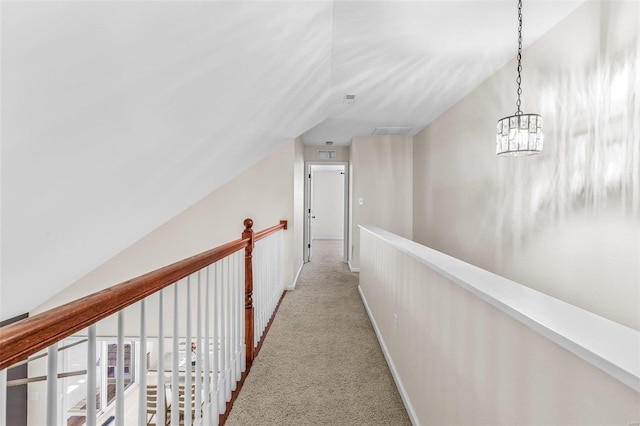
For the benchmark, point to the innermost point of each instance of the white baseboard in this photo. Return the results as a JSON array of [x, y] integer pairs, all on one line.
[[351, 268], [392, 367], [295, 280]]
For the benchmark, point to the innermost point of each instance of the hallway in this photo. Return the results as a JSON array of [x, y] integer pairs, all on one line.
[[321, 363]]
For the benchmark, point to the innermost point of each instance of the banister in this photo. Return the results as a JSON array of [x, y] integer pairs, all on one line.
[[248, 292], [266, 232], [22, 339]]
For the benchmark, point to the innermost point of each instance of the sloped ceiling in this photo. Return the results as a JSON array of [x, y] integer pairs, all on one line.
[[116, 116]]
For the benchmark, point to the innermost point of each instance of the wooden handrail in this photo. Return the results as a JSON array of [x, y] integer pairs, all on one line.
[[266, 232], [22, 339]]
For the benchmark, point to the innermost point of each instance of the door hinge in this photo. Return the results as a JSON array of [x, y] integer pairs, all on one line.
[[309, 211], [308, 246], [309, 175]]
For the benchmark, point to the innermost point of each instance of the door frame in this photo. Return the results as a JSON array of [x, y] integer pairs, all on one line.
[[307, 203]]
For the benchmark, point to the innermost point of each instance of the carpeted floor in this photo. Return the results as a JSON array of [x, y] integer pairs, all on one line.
[[321, 363]]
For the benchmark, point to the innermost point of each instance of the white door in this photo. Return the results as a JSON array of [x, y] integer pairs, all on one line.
[[328, 208]]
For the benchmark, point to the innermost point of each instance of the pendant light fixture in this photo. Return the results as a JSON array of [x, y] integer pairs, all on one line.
[[519, 134]]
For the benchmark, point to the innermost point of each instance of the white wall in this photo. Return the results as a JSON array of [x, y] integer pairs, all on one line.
[[328, 204], [381, 175], [298, 209], [264, 193], [566, 222]]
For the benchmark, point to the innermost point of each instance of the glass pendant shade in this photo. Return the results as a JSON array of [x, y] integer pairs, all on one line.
[[519, 135]]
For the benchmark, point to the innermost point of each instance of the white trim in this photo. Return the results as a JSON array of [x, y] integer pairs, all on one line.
[[328, 238], [387, 356], [612, 347], [295, 280], [352, 269]]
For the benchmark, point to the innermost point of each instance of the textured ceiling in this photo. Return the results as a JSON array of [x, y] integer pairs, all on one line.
[[408, 62], [116, 116]]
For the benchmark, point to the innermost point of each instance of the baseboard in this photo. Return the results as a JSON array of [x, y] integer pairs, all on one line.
[[392, 367], [352, 269], [295, 280]]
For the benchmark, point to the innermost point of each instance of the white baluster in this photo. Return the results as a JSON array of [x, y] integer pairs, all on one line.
[[213, 351], [255, 264], [243, 346], [223, 338], [142, 362], [52, 385], [227, 329], [274, 276], [175, 378], [207, 369], [279, 266], [219, 339], [234, 322], [272, 281], [3, 397], [91, 376], [160, 414], [267, 284], [120, 372], [238, 315], [260, 284], [199, 351], [188, 368], [212, 408], [240, 305]]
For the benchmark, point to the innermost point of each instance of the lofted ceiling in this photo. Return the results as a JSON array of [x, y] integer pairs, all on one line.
[[117, 116], [409, 61]]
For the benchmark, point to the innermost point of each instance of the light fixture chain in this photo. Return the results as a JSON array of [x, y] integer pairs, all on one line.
[[519, 79]]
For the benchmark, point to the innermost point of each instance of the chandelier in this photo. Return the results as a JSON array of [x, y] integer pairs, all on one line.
[[519, 134]]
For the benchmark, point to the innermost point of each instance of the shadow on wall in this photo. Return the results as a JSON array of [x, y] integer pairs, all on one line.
[[595, 152], [565, 222]]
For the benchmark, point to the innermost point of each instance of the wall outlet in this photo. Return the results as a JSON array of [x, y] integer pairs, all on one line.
[[361, 201], [395, 323]]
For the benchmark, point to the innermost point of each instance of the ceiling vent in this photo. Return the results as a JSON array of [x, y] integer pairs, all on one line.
[[391, 131]]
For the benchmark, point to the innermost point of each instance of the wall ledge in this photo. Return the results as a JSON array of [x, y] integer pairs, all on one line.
[[608, 345]]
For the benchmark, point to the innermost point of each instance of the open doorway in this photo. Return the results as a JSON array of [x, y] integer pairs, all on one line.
[[326, 206]]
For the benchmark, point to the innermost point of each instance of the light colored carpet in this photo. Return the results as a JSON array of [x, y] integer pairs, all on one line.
[[321, 363]]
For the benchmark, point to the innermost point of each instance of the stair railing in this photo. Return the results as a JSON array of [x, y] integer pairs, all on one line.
[[212, 341]]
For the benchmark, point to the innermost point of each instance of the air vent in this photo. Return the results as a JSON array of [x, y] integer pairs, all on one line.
[[391, 131], [349, 98]]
